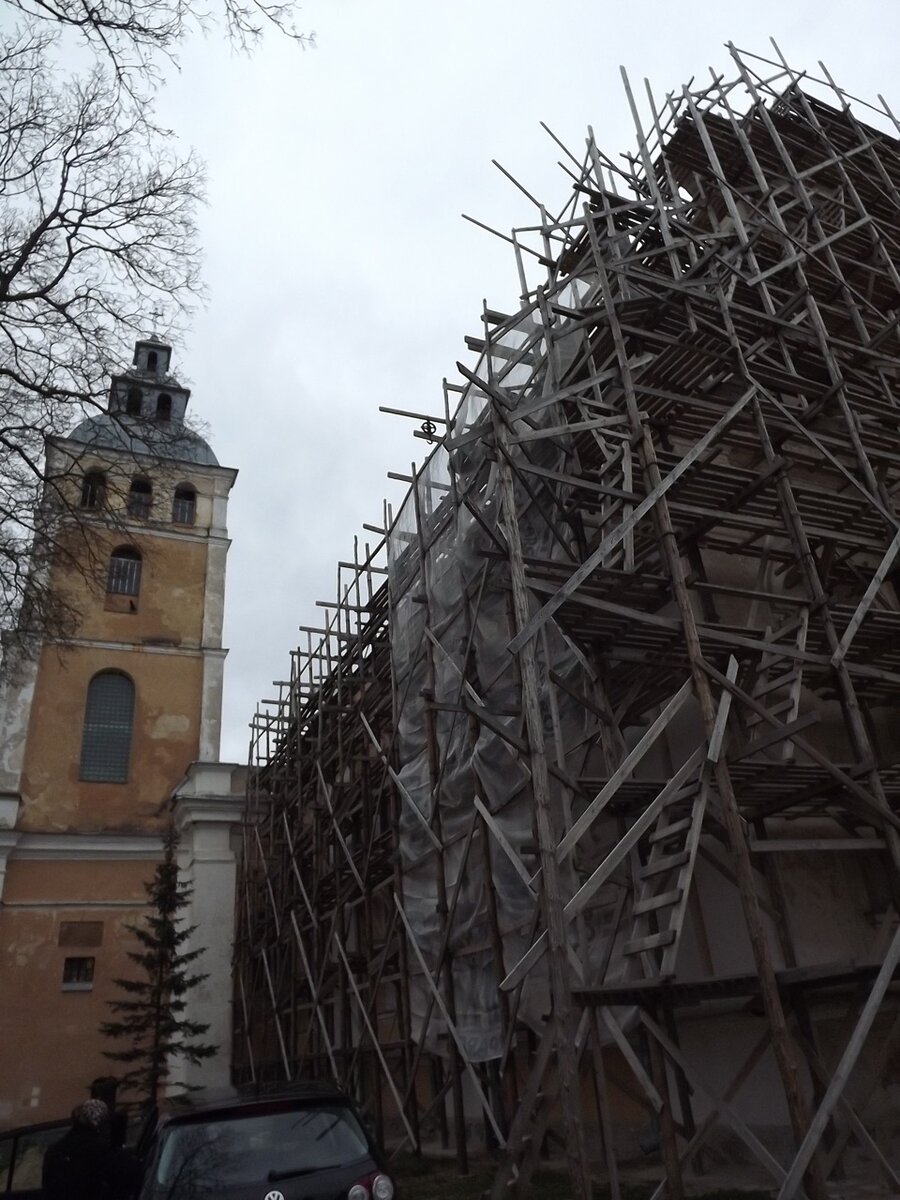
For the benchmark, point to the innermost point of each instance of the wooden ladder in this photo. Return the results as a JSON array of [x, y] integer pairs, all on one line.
[[663, 880]]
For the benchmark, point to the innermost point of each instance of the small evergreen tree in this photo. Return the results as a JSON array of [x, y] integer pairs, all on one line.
[[151, 1013]]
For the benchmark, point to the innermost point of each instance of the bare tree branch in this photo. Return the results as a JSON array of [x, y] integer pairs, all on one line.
[[96, 231], [132, 34]]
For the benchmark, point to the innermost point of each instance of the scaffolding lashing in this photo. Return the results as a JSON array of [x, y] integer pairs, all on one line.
[[573, 831]]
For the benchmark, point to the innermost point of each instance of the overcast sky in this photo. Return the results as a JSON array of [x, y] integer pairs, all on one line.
[[341, 274]]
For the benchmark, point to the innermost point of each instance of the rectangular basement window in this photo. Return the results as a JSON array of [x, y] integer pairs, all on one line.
[[78, 975]]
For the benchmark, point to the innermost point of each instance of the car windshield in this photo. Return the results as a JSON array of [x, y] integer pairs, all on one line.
[[199, 1157]]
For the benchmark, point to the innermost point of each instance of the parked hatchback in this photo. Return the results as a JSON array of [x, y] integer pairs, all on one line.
[[305, 1144]]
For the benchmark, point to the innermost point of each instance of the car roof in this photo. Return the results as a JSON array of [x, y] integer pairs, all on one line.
[[61, 1123], [207, 1102]]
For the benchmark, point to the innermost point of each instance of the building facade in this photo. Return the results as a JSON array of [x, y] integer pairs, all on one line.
[[104, 733]]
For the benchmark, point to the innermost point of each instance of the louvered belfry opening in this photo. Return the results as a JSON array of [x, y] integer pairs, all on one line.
[[572, 828]]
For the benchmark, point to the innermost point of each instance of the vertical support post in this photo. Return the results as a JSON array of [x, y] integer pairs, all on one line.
[[667, 1131], [567, 1062], [444, 966]]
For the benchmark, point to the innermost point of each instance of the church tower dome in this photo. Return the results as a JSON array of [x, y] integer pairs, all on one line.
[[146, 411]]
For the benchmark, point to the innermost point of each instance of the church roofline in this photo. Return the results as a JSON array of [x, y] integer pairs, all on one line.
[[140, 457]]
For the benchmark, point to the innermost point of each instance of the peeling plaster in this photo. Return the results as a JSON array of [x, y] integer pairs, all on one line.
[[168, 725]]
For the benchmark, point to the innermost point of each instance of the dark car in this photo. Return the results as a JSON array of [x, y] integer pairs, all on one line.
[[308, 1143]]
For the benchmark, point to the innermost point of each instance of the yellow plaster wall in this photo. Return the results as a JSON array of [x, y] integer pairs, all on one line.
[[30, 881], [49, 1038], [171, 599], [165, 739], [121, 469]]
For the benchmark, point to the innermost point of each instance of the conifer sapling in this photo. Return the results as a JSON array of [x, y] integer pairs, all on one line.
[[151, 1013]]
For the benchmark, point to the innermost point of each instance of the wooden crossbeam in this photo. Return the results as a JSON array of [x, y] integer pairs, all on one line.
[[451, 1026], [606, 868], [841, 1073], [623, 771], [618, 535]]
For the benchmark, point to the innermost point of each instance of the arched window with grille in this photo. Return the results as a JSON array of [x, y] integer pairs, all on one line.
[[184, 505], [140, 498], [151, 361], [164, 406], [108, 722], [124, 575], [93, 490], [133, 402]]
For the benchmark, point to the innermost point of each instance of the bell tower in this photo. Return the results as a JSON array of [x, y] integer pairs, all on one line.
[[104, 732]]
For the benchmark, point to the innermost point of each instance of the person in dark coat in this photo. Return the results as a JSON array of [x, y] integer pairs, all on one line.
[[123, 1172], [76, 1167]]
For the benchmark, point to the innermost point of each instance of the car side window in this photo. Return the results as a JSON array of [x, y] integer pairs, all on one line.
[[29, 1160]]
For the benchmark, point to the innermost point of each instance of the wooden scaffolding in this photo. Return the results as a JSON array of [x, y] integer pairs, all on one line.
[[575, 823]]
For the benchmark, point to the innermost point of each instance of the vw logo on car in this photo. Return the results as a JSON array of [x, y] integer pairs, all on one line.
[[274, 1196]]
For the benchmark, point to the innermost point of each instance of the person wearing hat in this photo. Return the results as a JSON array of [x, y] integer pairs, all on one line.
[[76, 1167]]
